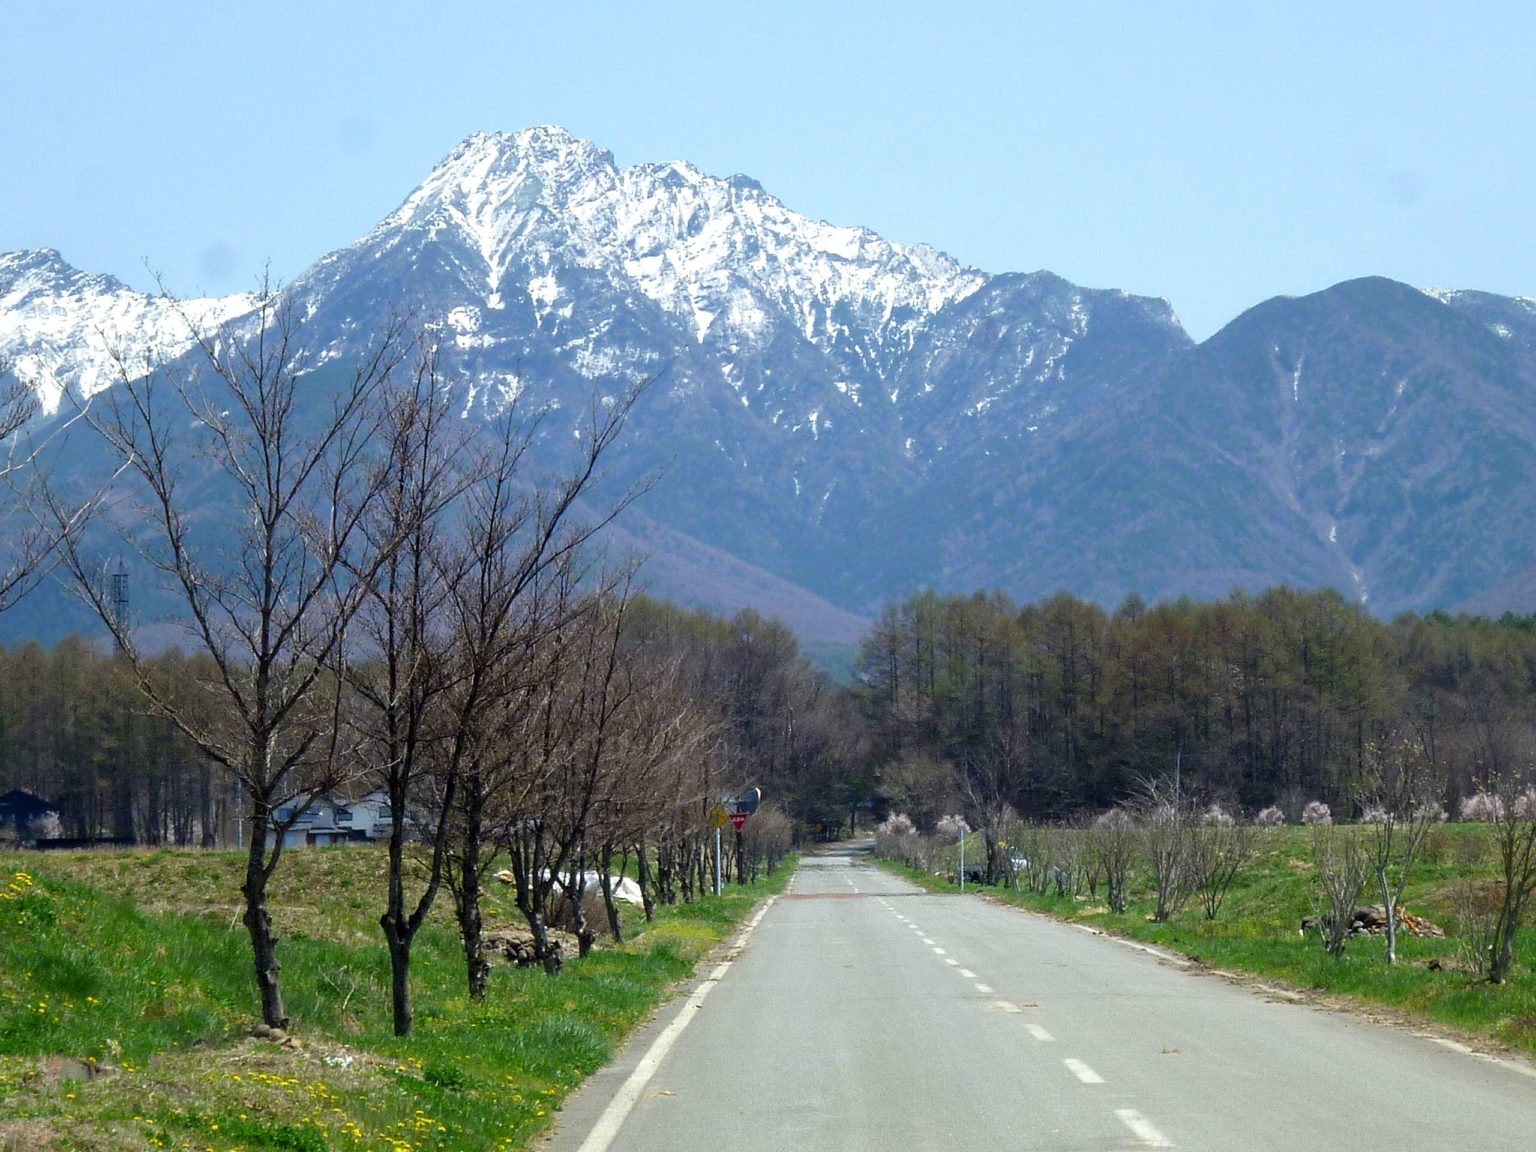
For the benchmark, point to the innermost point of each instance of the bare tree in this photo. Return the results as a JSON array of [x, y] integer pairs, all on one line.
[[266, 588], [767, 838], [1219, 852], [1342, 870], [1402, 809], [578, 729], [410, 731], [663, 729], [1111, 847], [1168, 836], [1514, 842], [524, 543]]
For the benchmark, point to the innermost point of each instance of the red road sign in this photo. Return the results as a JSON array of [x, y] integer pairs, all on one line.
[[738, 819]]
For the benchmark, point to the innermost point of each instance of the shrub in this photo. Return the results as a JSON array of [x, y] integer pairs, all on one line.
[[896, 824], [1270, 817], [1316, 814], [951, 827], [1217, 817], [1481, 808]]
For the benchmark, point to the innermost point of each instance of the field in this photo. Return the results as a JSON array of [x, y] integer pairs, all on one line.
[[1256, 933], [127, 1007]]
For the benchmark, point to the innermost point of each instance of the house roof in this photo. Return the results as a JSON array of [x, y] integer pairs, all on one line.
[[20, 802]]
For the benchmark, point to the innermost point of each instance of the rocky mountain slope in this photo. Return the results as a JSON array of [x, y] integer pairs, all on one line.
[[838, 420]]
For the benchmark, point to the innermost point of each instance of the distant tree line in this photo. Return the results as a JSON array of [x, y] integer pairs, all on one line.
[[75, 731], [975, 704], [1053, 709]]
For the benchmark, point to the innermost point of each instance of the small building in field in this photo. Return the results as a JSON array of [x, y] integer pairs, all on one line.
[[25, 815]]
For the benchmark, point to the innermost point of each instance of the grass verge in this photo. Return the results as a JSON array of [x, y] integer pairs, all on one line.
[[127, 1004]]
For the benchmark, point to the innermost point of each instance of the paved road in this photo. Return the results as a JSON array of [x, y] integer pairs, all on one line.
[[863, 1014]]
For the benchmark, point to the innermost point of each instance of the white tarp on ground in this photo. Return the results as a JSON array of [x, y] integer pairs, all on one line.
[[623, 889]]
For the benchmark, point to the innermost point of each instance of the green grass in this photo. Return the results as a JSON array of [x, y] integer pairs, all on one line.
[[1257, 933], [137, 962]]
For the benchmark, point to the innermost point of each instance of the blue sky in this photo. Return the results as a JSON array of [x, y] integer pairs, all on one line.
[[1210, 153]]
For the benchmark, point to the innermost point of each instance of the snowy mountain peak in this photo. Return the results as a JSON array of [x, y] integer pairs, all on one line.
[[43, 271], [525, 211], [62, 328]]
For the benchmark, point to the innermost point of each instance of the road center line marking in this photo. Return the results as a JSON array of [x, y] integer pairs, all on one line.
[[1084, 1073], [1039, 1033], [951, 961], [926, 940], [967, 973], [937, 951], [1006, 1006], [619, 1108], [1142, 1127], [986, 990]]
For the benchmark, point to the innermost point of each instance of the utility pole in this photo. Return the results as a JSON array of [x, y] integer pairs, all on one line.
[[119, 591]]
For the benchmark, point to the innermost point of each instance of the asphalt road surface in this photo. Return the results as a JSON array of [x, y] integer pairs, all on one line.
[[863, 1014]]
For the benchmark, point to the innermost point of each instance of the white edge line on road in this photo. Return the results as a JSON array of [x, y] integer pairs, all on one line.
[[613, 1117], [1456, 1046], [1170, 957], [1084, 1073], [1039, 1033], [1143, 1128]]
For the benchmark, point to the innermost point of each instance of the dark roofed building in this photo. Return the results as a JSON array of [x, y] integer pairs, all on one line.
[[20, 809]]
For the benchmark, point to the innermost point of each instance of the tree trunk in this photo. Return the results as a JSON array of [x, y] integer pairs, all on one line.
[[397, 930], [467, 905], [643, 877], [1505, 929], [605, 879], [1390, 905], [576, 891], [259, 923], [399, 976]]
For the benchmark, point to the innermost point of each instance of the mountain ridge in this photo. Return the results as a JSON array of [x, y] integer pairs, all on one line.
[[859, 419]]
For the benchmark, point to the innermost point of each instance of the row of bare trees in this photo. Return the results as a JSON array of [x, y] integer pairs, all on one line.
[[393, 598]]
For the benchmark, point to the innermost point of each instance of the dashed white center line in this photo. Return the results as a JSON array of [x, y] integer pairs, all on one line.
[[1142, 1127], [967, 973], [986, 990], [1084, 1073], [1039, 1033], [927, 940], [938, 951], [1006, 1006], [951, 961]]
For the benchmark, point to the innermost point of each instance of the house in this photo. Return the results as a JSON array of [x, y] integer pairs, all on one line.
[[329, 820], [24, 814]]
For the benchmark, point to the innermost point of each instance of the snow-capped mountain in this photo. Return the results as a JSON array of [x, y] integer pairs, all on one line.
[[60, 327], [838, 419], [516, 215]]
